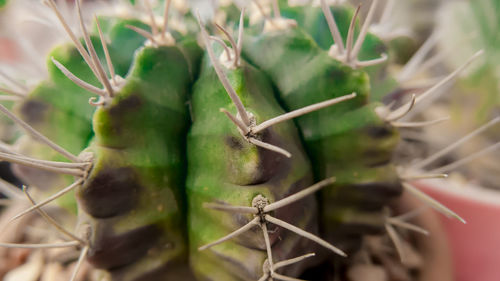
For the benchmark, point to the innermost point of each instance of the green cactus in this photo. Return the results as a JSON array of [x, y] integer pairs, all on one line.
[[228, 196], [338, 139]]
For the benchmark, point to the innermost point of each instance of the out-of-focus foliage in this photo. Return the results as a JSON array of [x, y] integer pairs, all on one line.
[[466, 27]]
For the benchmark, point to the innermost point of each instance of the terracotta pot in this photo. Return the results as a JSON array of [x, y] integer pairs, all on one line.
[[475, 246]]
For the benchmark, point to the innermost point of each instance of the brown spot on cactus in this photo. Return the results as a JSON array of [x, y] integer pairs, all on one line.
[[109, 192]]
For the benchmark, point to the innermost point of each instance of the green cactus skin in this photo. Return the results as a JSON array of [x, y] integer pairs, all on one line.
[[312, 20], [224, 168], [349, 140], [58, 100], [133, 196], [141, 190]]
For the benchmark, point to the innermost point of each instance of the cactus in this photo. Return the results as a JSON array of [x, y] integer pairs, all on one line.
[[189, 166]]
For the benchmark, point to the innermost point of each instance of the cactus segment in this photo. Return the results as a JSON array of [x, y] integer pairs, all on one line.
[[313, 20], [226, 169], [58, 100], [349, 140], [242, 205], [134, 191]]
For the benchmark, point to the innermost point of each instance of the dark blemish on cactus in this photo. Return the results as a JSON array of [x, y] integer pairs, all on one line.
[[109, 192], [373, 158], [371, 196], [337, 73], [110, 250], [33, 111], [379, 132], [292, 211], [125, 106], [234, 142], [273, 166]]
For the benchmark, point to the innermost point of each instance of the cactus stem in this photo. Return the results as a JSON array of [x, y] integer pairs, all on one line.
[[454, 145], [50, 220], [304, 234], [48, 200], [332, 25], [299, 195], [41, 246], [109, 62], [81, 258], [93, 55], [13, 93], [405, 225], [77, 80], [241, 230], [467, 159], [9, 190], [431, 202], [299, 112], [37, 136], [396, 240]]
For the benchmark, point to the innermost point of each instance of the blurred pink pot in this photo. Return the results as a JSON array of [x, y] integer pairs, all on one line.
[[475, 246], [7, 50]]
